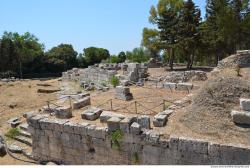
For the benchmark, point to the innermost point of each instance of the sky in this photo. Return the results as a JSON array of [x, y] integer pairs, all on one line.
[[112, 24]]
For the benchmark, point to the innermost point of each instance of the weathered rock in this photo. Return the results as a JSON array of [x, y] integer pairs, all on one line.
[[245, 104], [160, 120], [113, 124], [123, 93], [15, 149], [63, 112], [29, 114], [81, 103], [144, 121], [91, 114], [125, 124], [107, 115], [184, 86], [47, 90], [169, 85], [2, 147], [135, 128], [241, 117], [14, 122]]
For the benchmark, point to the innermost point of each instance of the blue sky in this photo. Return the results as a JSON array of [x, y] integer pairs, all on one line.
[[113, 24]]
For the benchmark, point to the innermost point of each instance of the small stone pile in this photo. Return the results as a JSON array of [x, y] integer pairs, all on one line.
[[123, 93], [243, 116]]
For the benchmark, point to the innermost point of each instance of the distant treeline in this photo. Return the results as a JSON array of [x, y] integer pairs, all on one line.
[[180, 35], [24, 56]]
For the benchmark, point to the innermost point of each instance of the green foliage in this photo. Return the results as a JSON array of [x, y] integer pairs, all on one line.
[[135, 157], [114, 81], [95, 55], [138, 55], [116, 136], [238, 69], [12, 133], [151, 41]]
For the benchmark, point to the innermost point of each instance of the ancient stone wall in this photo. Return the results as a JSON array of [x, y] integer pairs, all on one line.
[[79, 143]]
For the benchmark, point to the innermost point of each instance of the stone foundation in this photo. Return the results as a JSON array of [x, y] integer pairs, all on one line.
[[66, 142]]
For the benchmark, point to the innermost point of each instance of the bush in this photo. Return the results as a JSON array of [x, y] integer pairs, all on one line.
[[12, 133], [237, 69], [116, 136], [114, 81]]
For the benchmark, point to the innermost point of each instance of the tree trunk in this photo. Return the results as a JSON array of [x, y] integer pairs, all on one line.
[[20, 68], [191, 61], [171, 61]]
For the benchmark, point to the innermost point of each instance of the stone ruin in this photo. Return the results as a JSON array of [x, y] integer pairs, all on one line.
[[185, 76], [242, 116], [123, 93], [241, 59]]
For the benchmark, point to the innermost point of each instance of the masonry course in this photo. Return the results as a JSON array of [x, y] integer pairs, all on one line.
[[66, 142]]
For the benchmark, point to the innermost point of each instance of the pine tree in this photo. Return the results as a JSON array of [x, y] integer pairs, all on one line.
[[189, 30]]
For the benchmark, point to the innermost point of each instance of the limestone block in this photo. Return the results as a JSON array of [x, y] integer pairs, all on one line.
[[184, 86], [125, 124], [192, 145], [91, 130], [240, 117], [113, 124], [63, 112], [81, 128], [167, 112], [151, 155], [245, 104], [151, 136], [100, 132], [33, 121], [144, 121], [29, 114], [47, 124], [92, 113], [160, 120], [169, 85], [69, 127], [135, 128], [122, 90], [81, 103], [106, 115], [59, 124]]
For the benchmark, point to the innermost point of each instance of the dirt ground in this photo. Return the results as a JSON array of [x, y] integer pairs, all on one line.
[[147, 100]]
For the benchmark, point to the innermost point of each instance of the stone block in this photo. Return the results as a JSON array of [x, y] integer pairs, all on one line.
[[69, 127], [144, 121], [91, 130], [29, 114], [63, 112], [113, 124], [151, 136], [135, 128], [92, 113], [125, 124], [245, 104], [106, 115], [240, 117], [184, 86], [160, 120], [169, 85], [81, 128], [81, 103], [167, 112]]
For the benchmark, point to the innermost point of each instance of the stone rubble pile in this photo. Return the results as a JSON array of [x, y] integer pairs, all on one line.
[[123, 93], [242, 116], [180, 86], [241, 59], [186, 76]]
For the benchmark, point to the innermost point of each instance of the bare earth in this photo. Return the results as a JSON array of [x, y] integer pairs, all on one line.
[[148, 100]]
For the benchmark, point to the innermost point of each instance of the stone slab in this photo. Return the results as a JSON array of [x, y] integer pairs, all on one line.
[[245, 104], [240, 117]]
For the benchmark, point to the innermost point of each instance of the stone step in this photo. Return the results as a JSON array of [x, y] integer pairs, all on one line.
[[25, 134], [245, 104], [24, 140], [24, 126]]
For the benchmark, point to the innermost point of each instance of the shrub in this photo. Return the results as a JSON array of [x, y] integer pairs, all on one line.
[[12, 133], [116, 136], [114, 81], [237, 69]]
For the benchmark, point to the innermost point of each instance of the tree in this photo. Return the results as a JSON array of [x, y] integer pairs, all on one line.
[[189, 30], [24, 49], [151, 41], [95, 55], [166, 16], [63, 57], [122, 57], [138, 55]]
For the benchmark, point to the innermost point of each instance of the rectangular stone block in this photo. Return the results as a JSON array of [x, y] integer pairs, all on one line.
[[81, 128], [160, 120], [125, 124], [184, 86], [144, 121], [106, 115], [113, 124], [169, 85], [63, 112], [135, 128], [92, 113], [245, 104], [240, 117], [81, 103]]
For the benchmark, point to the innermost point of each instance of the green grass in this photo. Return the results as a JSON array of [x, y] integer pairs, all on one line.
[[114, 81], [116, 136], [12, 133]]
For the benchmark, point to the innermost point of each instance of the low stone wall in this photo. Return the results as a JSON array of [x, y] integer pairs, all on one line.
[[79, 143]]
